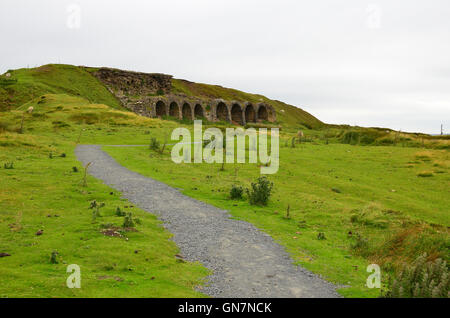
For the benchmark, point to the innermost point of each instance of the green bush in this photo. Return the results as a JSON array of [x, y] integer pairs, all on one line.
[[260, 191], [422, 279], [236, 192]]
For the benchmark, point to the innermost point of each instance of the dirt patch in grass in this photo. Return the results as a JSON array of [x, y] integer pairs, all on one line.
[[116, 278], [116, 231]]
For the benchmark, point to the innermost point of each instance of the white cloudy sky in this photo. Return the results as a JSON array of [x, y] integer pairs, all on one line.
[[369, 63]]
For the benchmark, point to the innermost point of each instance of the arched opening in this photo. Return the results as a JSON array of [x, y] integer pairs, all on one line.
[[160, 109], [187, 112], [250, 114], [236, 114], [198, 111], [174, 110], [222, 112], [262, 113]]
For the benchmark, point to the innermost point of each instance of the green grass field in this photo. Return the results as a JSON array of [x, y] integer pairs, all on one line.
[[376, 201], [383, 204], [43, 193]]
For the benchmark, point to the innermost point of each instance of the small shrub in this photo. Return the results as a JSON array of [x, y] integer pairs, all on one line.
[[95, 206], [236, 192], [321, 236], [260, 191], [74, 169], [119, 212], [138, 221], [128, 221], [50, 155], [422, 279], [9, 165], [63, 155]]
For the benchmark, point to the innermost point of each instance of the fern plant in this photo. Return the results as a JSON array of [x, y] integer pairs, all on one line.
[[422, 279]]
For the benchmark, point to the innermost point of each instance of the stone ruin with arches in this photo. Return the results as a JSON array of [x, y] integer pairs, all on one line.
[[149, 94]]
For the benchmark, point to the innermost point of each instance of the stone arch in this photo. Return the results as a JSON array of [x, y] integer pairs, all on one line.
[[160, 109], [222, 112], [174, 110], [236, 114], [263, 113], [198, 111], [250, 114], [186, 111]]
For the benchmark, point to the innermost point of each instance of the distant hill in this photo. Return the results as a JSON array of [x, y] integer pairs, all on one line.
[[23, 85]]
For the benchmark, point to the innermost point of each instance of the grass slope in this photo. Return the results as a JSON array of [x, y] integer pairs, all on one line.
[[43, 193], [27, 84]]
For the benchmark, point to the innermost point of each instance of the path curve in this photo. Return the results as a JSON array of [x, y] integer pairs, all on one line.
[[245, 261]]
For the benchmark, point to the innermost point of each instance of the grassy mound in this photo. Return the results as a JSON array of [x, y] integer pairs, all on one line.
[[27, 84]]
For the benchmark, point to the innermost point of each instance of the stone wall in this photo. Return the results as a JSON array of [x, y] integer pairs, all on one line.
[[150, 95]]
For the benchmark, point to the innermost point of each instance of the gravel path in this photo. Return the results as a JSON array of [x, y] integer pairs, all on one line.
[[245, 261]]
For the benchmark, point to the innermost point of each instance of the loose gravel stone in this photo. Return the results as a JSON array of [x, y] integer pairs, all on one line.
[[245, 262]]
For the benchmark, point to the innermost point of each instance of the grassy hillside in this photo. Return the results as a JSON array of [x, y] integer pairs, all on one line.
[[43, 191], [287, 115], [27, 84]]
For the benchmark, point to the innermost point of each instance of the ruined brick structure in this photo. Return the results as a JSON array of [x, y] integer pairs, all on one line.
[[149, 94]]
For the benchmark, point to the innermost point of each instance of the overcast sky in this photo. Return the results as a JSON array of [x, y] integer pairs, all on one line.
[[368, 63]]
